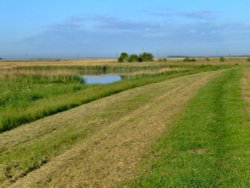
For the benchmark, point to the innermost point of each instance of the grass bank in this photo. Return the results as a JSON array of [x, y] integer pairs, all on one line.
[[208, 145]]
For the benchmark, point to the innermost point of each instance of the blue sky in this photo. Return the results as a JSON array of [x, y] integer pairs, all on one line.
[[95, 28]]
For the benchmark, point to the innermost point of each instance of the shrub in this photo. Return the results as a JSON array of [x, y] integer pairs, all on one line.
[[123, 57], [207, 59], [134, 58], [187, 59], [248, 59], [162, 60], [146, 57], [222, 59]]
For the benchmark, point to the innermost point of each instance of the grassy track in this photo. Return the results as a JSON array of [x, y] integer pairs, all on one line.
[[98, 143], [208, 146]]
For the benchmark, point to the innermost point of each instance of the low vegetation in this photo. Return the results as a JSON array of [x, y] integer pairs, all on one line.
[[187, 59], [24, 98], [162, 60], [222, 59]]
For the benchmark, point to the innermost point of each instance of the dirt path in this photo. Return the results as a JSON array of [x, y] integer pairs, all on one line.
[[111, 154]]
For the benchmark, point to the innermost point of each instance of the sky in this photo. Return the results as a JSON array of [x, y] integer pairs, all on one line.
[[105, 28]]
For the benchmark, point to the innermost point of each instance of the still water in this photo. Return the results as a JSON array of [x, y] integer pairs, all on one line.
[[102, 79]]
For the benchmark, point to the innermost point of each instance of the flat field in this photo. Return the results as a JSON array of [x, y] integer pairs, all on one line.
[[165, 124]]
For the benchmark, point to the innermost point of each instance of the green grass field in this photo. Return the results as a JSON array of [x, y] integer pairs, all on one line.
[[181, 125]]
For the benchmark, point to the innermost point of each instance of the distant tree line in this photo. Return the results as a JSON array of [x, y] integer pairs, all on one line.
[[144, 57], [148, 57]]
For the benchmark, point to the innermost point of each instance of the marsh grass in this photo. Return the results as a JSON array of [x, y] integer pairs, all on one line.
[[93, 69], [19, 93]]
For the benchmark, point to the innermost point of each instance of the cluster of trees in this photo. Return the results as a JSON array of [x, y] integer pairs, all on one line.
[[144, 57]]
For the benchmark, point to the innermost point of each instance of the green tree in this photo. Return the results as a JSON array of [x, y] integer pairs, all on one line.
[[123, 57], [134, 58], [146, 57]]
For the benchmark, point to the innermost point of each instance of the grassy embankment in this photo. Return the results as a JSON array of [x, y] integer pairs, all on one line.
[[28, 97], [208, 146], [101, 135]]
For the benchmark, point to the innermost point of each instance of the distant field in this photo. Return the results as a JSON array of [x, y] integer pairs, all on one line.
[[165, 124], [113, 62]]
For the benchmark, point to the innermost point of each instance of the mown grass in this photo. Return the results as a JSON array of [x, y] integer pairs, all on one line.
[[23, 157], [208, 146], [25, 98]]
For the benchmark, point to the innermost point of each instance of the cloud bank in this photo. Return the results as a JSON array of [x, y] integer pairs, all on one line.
[[195, 33]]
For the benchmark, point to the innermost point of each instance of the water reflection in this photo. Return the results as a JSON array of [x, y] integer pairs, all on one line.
[[102, 79]]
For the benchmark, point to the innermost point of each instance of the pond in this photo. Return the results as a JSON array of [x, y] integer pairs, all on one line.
[[101, 79]]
